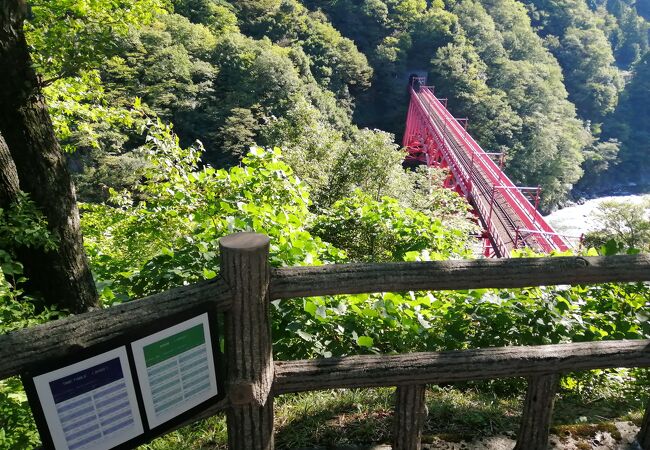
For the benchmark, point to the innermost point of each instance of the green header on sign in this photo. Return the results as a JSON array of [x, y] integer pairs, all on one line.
[[173, 345]]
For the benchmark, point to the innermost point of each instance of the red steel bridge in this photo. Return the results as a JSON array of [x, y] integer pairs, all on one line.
[[435, 138]]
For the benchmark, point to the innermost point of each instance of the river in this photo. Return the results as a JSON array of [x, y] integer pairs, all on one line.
[[577, 219]]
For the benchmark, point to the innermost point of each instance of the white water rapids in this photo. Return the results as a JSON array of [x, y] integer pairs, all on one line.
[[577, 219]]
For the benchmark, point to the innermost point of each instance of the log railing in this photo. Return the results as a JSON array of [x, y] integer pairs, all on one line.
[[243, 292]]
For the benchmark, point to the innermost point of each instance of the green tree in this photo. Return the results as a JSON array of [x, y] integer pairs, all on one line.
[[67, 36], [630, 124], [600, 157], [166, 232], [334, 61], [633, 38], [463, 76], [31, 161], [168, 66], [592, 80], [576, 36], [627, 224], [371, 230], [546, 147], [218, 16], [253, 10]]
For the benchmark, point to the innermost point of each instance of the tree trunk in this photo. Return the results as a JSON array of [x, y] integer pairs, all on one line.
[[9, 186], [63, 276]]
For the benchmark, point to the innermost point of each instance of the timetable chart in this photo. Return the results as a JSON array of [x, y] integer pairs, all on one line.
[[182, 374], [179, 369], [94, 405]]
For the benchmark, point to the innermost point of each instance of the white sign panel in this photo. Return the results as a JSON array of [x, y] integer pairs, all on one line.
[[175, 369], [90, 405]]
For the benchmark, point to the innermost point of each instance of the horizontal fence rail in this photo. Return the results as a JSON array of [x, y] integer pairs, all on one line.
[[61, 338], [456, 275], [456, 366], [246, 286]]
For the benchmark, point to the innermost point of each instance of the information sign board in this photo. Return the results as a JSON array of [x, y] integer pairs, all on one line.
[[92, 404], [176, 369], [131, 389]]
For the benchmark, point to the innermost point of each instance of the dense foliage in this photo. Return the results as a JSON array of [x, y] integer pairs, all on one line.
[[164, 233], [554, 84], [560, 86], [421, 321], [170, 239], [20, 226], [537, 78], [622, 226], [629, 125]]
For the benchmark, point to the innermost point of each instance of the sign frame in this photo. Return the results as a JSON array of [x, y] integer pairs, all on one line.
[[138, 353], [49, 404], [125, 340]]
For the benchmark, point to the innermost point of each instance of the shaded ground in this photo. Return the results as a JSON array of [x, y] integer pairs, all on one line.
[[610, 436], [471, 417]]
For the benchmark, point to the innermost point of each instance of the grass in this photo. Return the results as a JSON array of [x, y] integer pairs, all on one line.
[[361, 417], [586, 406], [456, 415], [335, 417], [206, 434], [339, 417]]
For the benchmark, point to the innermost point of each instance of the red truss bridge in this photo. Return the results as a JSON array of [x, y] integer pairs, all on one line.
[[435, 138]]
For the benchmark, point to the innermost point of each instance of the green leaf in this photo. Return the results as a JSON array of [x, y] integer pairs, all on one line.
[[209, 274], [306, 336], [310, 307], [610, 248], [365, 341]]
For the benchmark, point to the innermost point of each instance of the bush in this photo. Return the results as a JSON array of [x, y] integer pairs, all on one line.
[[383, 230], [21, 225]]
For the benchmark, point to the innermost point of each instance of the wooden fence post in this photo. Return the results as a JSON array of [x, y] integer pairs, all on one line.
[[538, 411], [244, 266], [410, 416], [644, 434]]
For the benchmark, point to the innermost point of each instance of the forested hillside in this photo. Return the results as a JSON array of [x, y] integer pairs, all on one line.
[[183, 121], [157, 103], [556, 84], [539, 79]]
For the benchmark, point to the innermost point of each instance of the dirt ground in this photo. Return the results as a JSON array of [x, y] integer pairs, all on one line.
[[586, 437]]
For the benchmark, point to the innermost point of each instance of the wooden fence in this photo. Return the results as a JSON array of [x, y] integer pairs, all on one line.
[[247, 284]]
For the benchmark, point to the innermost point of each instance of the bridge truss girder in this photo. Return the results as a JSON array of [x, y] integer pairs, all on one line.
[[435, 138]]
